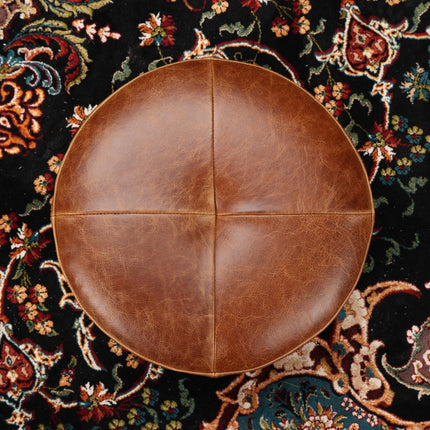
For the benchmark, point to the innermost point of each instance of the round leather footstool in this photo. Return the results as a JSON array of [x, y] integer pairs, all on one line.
[[212, 217]]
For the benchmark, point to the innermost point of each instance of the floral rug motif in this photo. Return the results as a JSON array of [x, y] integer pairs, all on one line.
[[367, 62]]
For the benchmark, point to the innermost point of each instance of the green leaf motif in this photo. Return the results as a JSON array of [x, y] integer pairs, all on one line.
[[185, 400], [62, 393], [320, 28], [419, 12], [237, 28], [316, 70], [119, 383], [123, 74], [369, 265], [352, 134], [395, 249], [73, 362], [35, 205], [379, 201], [409, 210], [308, 47], [207, 15], [19, 270], [65, 9], [411, 188], [153, 413], [361, 99], [154, 64], [413, 184]]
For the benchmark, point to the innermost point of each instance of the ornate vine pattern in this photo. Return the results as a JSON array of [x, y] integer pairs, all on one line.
[[57, 370]]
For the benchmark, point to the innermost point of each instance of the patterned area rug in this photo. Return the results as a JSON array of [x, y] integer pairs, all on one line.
[[367, 62]]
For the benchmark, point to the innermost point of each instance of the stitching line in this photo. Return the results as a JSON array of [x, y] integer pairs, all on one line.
[[90, 213], [215, 219], [233, 214]]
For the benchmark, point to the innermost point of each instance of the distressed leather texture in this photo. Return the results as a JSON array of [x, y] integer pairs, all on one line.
[[212, 217]]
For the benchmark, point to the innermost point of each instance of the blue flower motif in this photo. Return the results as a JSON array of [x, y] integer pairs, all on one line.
[[414, 135], [399, 122], [136, 416], [140, 417], [418, 153], [150, 396], [387, 180], [403, 166], [169, 409], [387, 176], [413, 138], [419, 158], [402, 170]]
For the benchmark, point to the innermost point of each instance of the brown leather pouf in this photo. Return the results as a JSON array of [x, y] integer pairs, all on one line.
[[211, 216]]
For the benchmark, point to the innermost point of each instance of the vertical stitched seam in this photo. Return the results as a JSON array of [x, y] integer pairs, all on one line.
[[215, 219]]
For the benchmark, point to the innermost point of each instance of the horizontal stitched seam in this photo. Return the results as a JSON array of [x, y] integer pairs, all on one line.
[[292, 214], [227, 214], [129, 213]]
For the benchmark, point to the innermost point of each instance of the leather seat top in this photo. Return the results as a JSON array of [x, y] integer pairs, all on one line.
[[211, 216]]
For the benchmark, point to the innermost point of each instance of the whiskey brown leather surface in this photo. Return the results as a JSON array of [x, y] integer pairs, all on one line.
[[212, 217]]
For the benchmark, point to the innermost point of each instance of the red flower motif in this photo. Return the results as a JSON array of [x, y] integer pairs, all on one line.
[[341, 90], [345, 3], [67, 377], [158, 30], [16, 371], [301, 7], [27, 246], [44, 183], [17, 294], [254, 5], [381, 144], [323, 93], [9, 222], [300, 25], [43, 324], [54, 162], [38, 294], [28, 311], [335, 107], [96, 403], [280, 27]]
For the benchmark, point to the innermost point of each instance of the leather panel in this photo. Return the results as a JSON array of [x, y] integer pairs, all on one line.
[[133, 156], [278, 281], [146, 280], [278, 150]]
